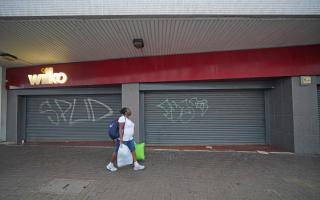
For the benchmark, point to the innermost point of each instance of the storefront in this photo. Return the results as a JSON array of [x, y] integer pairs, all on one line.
[[64, 115], [198, 99], [203, 116], [69, 117]]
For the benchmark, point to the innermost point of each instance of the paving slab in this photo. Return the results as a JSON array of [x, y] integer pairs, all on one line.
[[55, 172]]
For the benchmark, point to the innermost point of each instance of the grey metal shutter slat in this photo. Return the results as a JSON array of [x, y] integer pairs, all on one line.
[[203, 118], [70, 118]]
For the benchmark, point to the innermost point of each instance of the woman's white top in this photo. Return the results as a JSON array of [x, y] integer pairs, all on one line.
[[128, 128]]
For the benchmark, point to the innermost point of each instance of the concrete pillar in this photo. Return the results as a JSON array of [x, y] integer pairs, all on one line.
[[305, 117], [12, 117], [280, 110], [294, 124], [3, 104], [130, 98]]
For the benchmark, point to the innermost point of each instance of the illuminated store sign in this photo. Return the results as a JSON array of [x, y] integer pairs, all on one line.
[[48, 77]]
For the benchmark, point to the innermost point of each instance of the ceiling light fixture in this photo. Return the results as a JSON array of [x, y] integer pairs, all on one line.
[[8, 57], [138, 43]]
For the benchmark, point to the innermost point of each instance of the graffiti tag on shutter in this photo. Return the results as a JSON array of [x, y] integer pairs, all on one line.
[[56, 113], [183, 110]]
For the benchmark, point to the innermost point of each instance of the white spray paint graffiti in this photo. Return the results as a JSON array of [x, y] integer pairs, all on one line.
[[183, 111], [56, 116], [48, 110], [200, 104]]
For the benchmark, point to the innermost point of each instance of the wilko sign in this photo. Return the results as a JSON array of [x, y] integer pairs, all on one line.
[[47, 77]]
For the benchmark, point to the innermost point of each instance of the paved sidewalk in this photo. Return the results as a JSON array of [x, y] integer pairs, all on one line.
[[49, 172]]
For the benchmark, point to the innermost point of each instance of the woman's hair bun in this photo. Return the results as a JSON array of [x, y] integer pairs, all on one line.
[[123, 110]]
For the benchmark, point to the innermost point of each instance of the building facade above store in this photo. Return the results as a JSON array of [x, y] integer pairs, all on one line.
[[52, 32], [264, 63]]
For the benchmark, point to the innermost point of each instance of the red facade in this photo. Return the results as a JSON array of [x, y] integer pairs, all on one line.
[[263, 63]]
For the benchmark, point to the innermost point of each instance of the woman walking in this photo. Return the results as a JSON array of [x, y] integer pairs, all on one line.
[[126, 132]]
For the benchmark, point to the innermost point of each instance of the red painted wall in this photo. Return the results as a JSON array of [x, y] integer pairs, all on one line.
[[276, 62]]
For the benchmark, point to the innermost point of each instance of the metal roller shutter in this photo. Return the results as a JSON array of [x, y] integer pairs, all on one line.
[[205, 118], [70, 118]]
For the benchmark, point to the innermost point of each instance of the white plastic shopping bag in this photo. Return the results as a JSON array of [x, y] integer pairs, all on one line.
[[124, 156]]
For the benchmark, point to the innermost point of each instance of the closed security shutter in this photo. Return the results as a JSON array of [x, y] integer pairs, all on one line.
[[70, 118], [205, 118]]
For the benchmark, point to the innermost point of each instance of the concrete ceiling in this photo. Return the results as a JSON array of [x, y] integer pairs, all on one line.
[[65, 40], [47, 32]]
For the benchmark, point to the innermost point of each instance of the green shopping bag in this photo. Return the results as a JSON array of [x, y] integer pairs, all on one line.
[[140, 151]]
